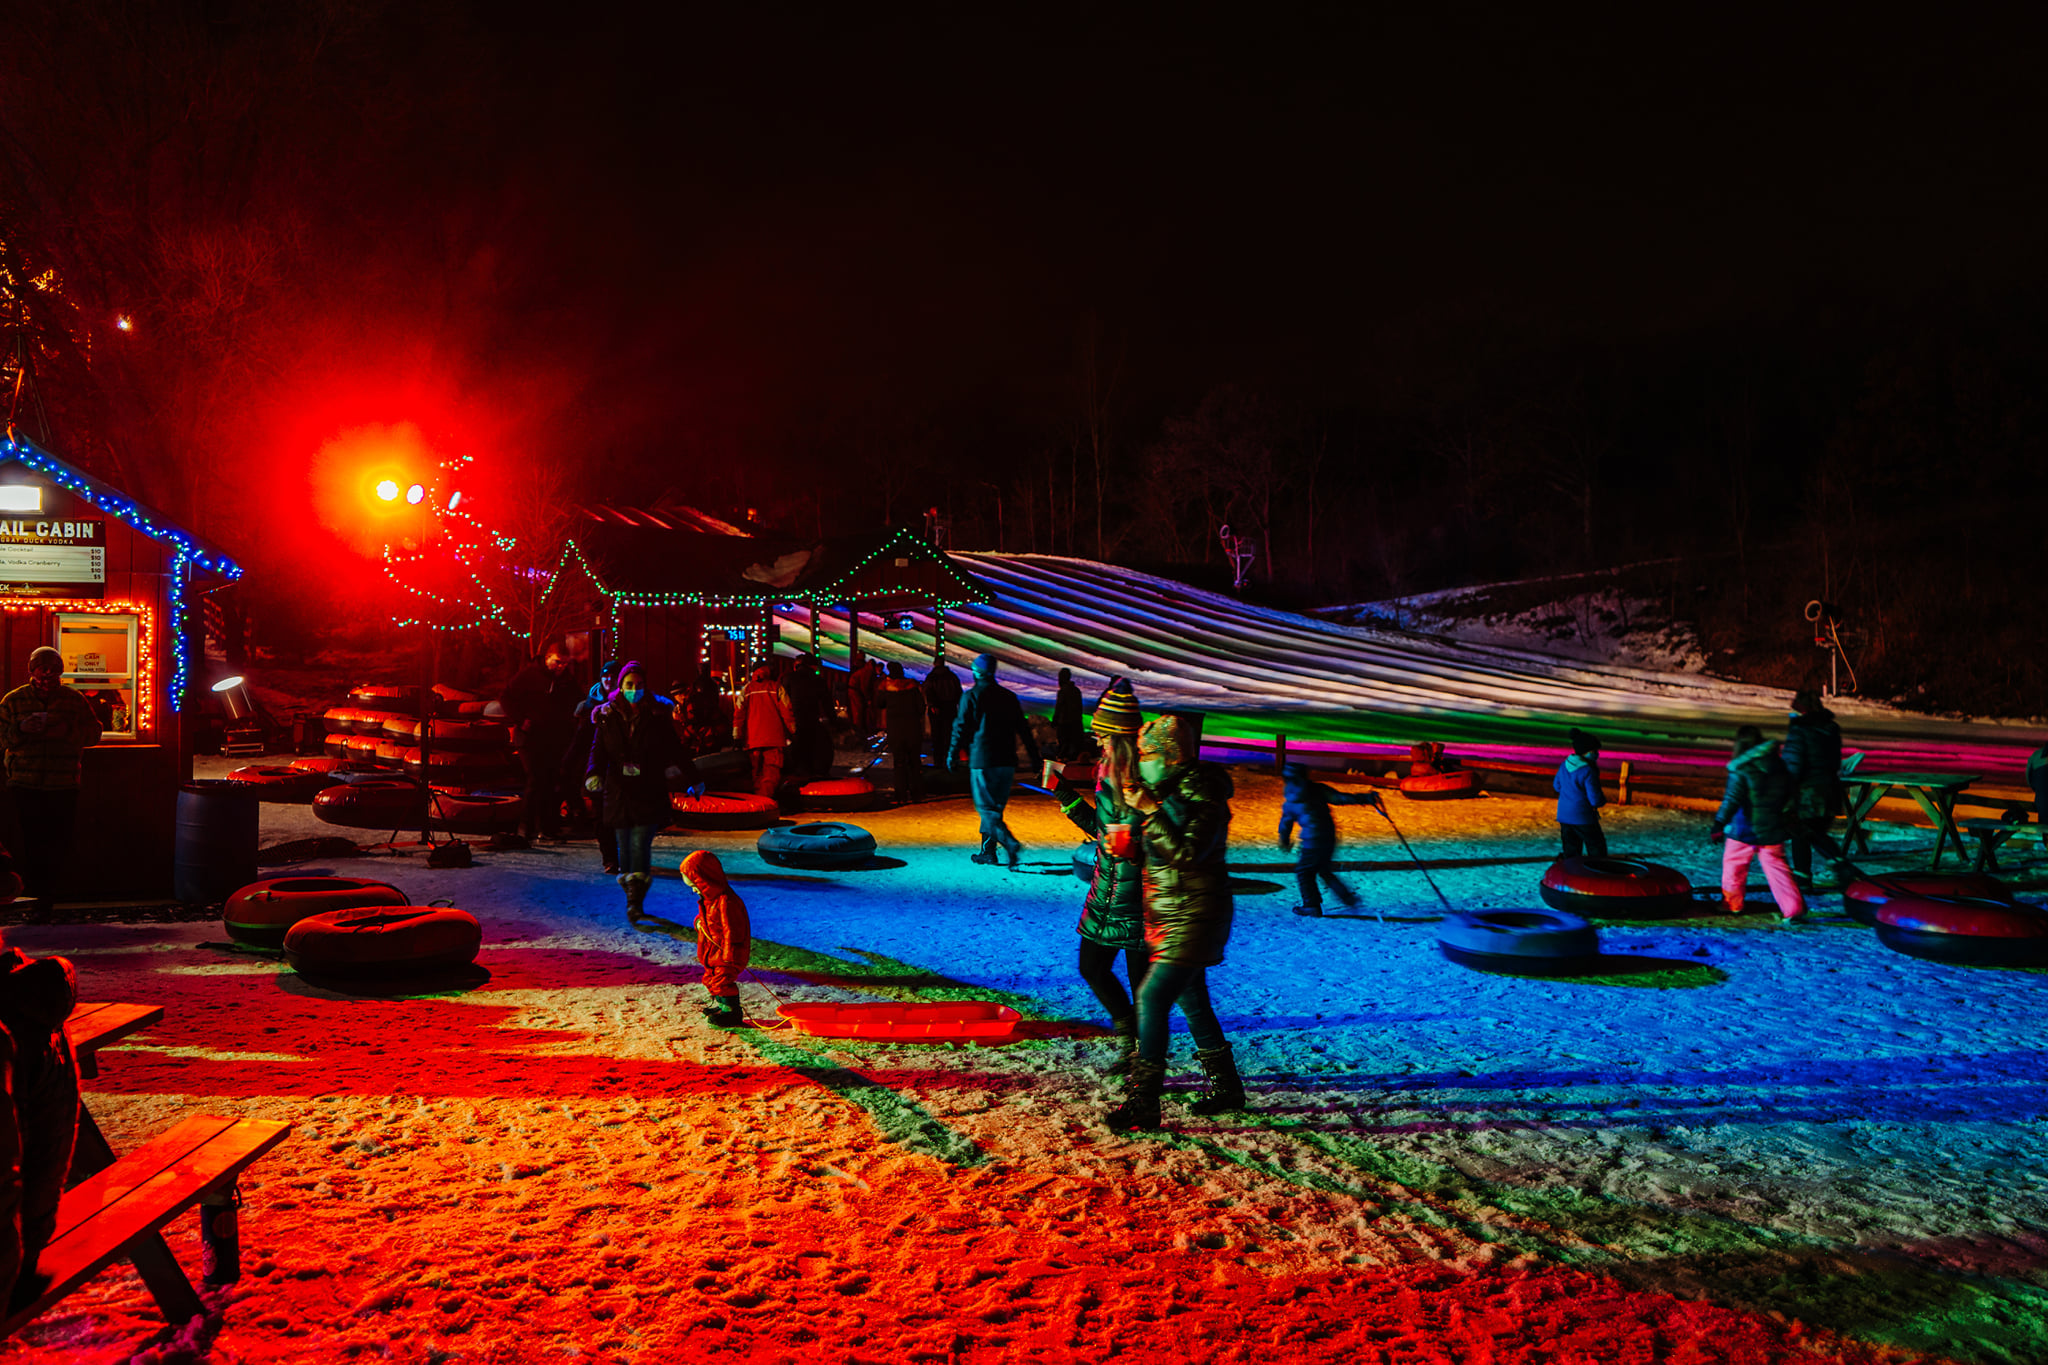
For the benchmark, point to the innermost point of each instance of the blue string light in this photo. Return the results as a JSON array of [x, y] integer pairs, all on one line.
[[186, 549]]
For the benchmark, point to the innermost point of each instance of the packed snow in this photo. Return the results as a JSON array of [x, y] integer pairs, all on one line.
[[1737, 1143]]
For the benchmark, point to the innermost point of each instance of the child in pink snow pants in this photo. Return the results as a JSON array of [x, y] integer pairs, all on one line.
[[1757, 814]]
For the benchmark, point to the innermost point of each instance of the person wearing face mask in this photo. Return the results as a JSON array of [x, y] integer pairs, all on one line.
[[635, 759], [1188, 911], [44, 728]]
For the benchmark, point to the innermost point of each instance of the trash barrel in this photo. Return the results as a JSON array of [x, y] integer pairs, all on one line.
[[215, 851]]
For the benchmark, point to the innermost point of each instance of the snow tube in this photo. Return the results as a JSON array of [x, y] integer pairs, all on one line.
[[1865, 896], [361, 748], [839, 793], [293, 784], [942, 1022], [722, 811], [386, 941], [467, 709], [472, 734], [379, 697], [825, 844], [457, 767], [1521, 942], [377, 803], [316, 764], [1969, 933], [371, 723], [261, 912], [477, 812], [447, 698], [336, 746], [1440, 786], [1084, 862], [339, 720], [1616, 888]]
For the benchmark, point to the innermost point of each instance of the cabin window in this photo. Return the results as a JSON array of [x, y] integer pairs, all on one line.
[[100, 653]]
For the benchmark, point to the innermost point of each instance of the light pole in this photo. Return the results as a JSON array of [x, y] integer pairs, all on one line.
[[415, 496]]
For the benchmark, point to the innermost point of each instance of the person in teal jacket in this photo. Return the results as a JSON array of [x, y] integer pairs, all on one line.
[[1579, 799]]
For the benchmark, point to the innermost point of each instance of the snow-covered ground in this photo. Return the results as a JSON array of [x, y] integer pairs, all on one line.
[[1740, 1143]]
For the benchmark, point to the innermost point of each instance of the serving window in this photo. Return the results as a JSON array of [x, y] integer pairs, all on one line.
[[100, 653]]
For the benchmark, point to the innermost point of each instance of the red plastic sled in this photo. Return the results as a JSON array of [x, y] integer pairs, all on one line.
[[949, 1021]]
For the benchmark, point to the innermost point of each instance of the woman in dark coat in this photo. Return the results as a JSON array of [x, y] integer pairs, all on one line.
[[1113, 916], [635, 758], [1188, 912]]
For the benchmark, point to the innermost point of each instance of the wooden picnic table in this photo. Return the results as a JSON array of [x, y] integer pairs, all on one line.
[[1935, 792], [90, 1028]]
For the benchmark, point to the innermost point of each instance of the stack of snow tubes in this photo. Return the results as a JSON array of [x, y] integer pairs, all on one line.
[[468, 752], [261, 913]]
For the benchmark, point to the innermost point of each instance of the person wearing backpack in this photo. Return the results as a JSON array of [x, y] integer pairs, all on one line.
[[1756, 818]]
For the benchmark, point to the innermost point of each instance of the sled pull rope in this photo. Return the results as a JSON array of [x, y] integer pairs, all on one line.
[[1382, 807]]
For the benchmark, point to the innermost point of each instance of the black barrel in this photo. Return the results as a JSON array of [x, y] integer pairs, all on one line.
[[215, 852]]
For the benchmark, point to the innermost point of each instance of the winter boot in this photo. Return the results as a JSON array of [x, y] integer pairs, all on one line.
[[1125, 1030], [1226, 1087], [987, 856], [1140, 1109], [724, 1012], [1012, 850], [635, 885]]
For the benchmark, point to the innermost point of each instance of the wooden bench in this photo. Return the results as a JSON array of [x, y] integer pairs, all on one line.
[[91, 1027], [1992, 835], [120, 1212]]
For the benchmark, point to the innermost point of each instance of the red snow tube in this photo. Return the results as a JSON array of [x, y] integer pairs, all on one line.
[[339, 720], [458, 767], [361, 748], [336, 747], [1616, 888], [379, 697], [839, 793], [1441, 786], [722, 811], [261, 912], [372, 723], [1970, 933], [390, 941], [476, 813], [1864, 897], [983, 1021], [375, 803], [469, 733], [316, 765], [294, 784]]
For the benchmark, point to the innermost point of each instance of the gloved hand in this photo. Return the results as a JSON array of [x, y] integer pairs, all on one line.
[[593, 783], [1716, 834], [671, 772], [695, 790], [1372, 798]]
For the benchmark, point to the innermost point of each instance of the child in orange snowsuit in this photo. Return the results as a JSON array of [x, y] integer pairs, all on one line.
[[725, 940]]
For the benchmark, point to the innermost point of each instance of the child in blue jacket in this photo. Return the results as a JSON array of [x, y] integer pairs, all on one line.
[[1579, 799], [1306, 807]]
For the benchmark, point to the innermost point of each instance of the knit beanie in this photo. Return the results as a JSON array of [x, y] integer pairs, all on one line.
[[1173, 738], [1583, 743], [45, 654], [984, 665], [1117, 712]]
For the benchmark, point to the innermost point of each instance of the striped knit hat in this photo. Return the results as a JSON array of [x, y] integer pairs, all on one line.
[[1117, 712]]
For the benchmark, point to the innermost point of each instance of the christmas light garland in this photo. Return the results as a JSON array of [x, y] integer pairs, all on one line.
[[186, 550], [145, 680]]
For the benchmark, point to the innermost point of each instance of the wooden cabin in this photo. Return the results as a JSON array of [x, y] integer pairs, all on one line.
[[114, 587]]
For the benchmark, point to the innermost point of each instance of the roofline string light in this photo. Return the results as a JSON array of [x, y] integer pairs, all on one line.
[[186, 552]]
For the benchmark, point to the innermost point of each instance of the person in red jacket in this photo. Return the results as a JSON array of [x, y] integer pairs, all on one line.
[[725, 940], [766, 724]]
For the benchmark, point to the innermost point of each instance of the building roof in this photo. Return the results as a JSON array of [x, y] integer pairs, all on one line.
[[646, 565], [118, 505]]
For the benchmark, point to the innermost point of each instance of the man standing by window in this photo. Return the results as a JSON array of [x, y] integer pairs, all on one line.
[[44, 727]]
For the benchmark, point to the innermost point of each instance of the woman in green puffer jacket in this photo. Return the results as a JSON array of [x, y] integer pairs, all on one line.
[[1113, 916], [1756, 818], [1188, 912]]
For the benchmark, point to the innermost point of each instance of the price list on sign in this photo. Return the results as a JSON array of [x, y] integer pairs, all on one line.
[[53, 558]]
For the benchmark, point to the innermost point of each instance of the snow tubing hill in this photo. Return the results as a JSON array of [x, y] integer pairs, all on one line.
[[727, 811], [1864, 897], [262, 912], [390, 941], [1969, 933], [374, 803], [824, 844], [940, 1022], [1520, 942], [1440, 786], [839, 793], [1616, 888], [294, 784]]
